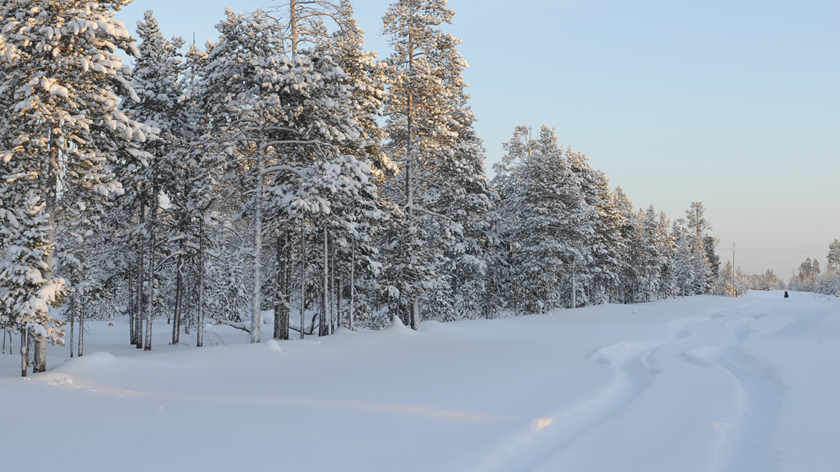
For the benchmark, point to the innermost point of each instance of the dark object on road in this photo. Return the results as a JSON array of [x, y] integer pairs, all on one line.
[[786, 295]]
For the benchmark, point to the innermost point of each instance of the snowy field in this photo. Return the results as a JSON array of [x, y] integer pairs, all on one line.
[[696, 384]]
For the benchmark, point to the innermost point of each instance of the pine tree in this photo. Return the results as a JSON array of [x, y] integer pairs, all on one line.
[[429, 129], [286, 127], [60, 82]]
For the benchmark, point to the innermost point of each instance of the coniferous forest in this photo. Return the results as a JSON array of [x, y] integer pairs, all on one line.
[[285, 169]]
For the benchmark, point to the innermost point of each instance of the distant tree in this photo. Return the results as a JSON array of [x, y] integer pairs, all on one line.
[[709, 245], [833, 256], [697, 225]]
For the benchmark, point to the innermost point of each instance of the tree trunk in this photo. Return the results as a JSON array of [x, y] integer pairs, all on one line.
[[293, 31], [23, 354], [257, 301], [40, 364], [335, 294], [72, 309], [281, 307], [30, 350], [339, 299], [82, 328], [287, 251], [302, 282], [150, 296], [352, 286], [141, 277], [179, 295], [130, 313], [415, 313], [323, 322], [199, 341]]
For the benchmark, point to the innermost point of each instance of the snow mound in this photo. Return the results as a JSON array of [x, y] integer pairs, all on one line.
[[704, 354], [273, 345], [397, 326], [619, 352]]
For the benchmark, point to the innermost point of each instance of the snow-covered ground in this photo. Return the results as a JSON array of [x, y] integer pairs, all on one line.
[[695, 384]]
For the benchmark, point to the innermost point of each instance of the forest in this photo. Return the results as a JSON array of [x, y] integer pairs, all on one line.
[[285, 173]]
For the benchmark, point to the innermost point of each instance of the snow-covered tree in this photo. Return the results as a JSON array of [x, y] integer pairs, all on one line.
[[730, 282], [287, 129], [549, 221], [429, 134], [833, 256], [27, 290], [697, 225], [60, 82]]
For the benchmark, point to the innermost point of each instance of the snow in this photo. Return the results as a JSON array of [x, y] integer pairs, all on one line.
[[694, 384]]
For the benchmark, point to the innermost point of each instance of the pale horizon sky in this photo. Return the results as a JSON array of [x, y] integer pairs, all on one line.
[[732, 103]]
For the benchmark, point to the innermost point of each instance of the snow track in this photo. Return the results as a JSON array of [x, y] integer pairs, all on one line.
[[725, 402]]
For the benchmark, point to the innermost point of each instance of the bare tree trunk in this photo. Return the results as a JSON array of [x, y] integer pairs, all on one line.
[[40, 354], [302, 282], [141, 276], [288, 283], [30, 350], [23, 354], [281, 308], [150, 296], [352, 285], [335, 294], [72, 310], [293, 31], [415, 313], [179, 295], [82, 328], [257, 301], [340, 298], [130, 313], [323, 322], [199, 342]]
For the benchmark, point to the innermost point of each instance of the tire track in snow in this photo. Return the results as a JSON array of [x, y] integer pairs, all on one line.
[[535, 443], [743, 443]]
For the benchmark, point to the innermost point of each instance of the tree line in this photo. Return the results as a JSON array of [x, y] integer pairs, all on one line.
[[284, 169], [809, 277]]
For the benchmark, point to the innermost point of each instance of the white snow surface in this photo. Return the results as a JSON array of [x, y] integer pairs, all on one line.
[[695, 384]]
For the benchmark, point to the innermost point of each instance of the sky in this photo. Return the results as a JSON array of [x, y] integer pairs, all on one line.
[[732, 103]]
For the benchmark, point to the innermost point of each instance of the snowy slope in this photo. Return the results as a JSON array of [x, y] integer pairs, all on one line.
[[695, 384]]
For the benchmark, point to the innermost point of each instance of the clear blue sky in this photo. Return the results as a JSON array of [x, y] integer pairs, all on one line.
[[732, 103]]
